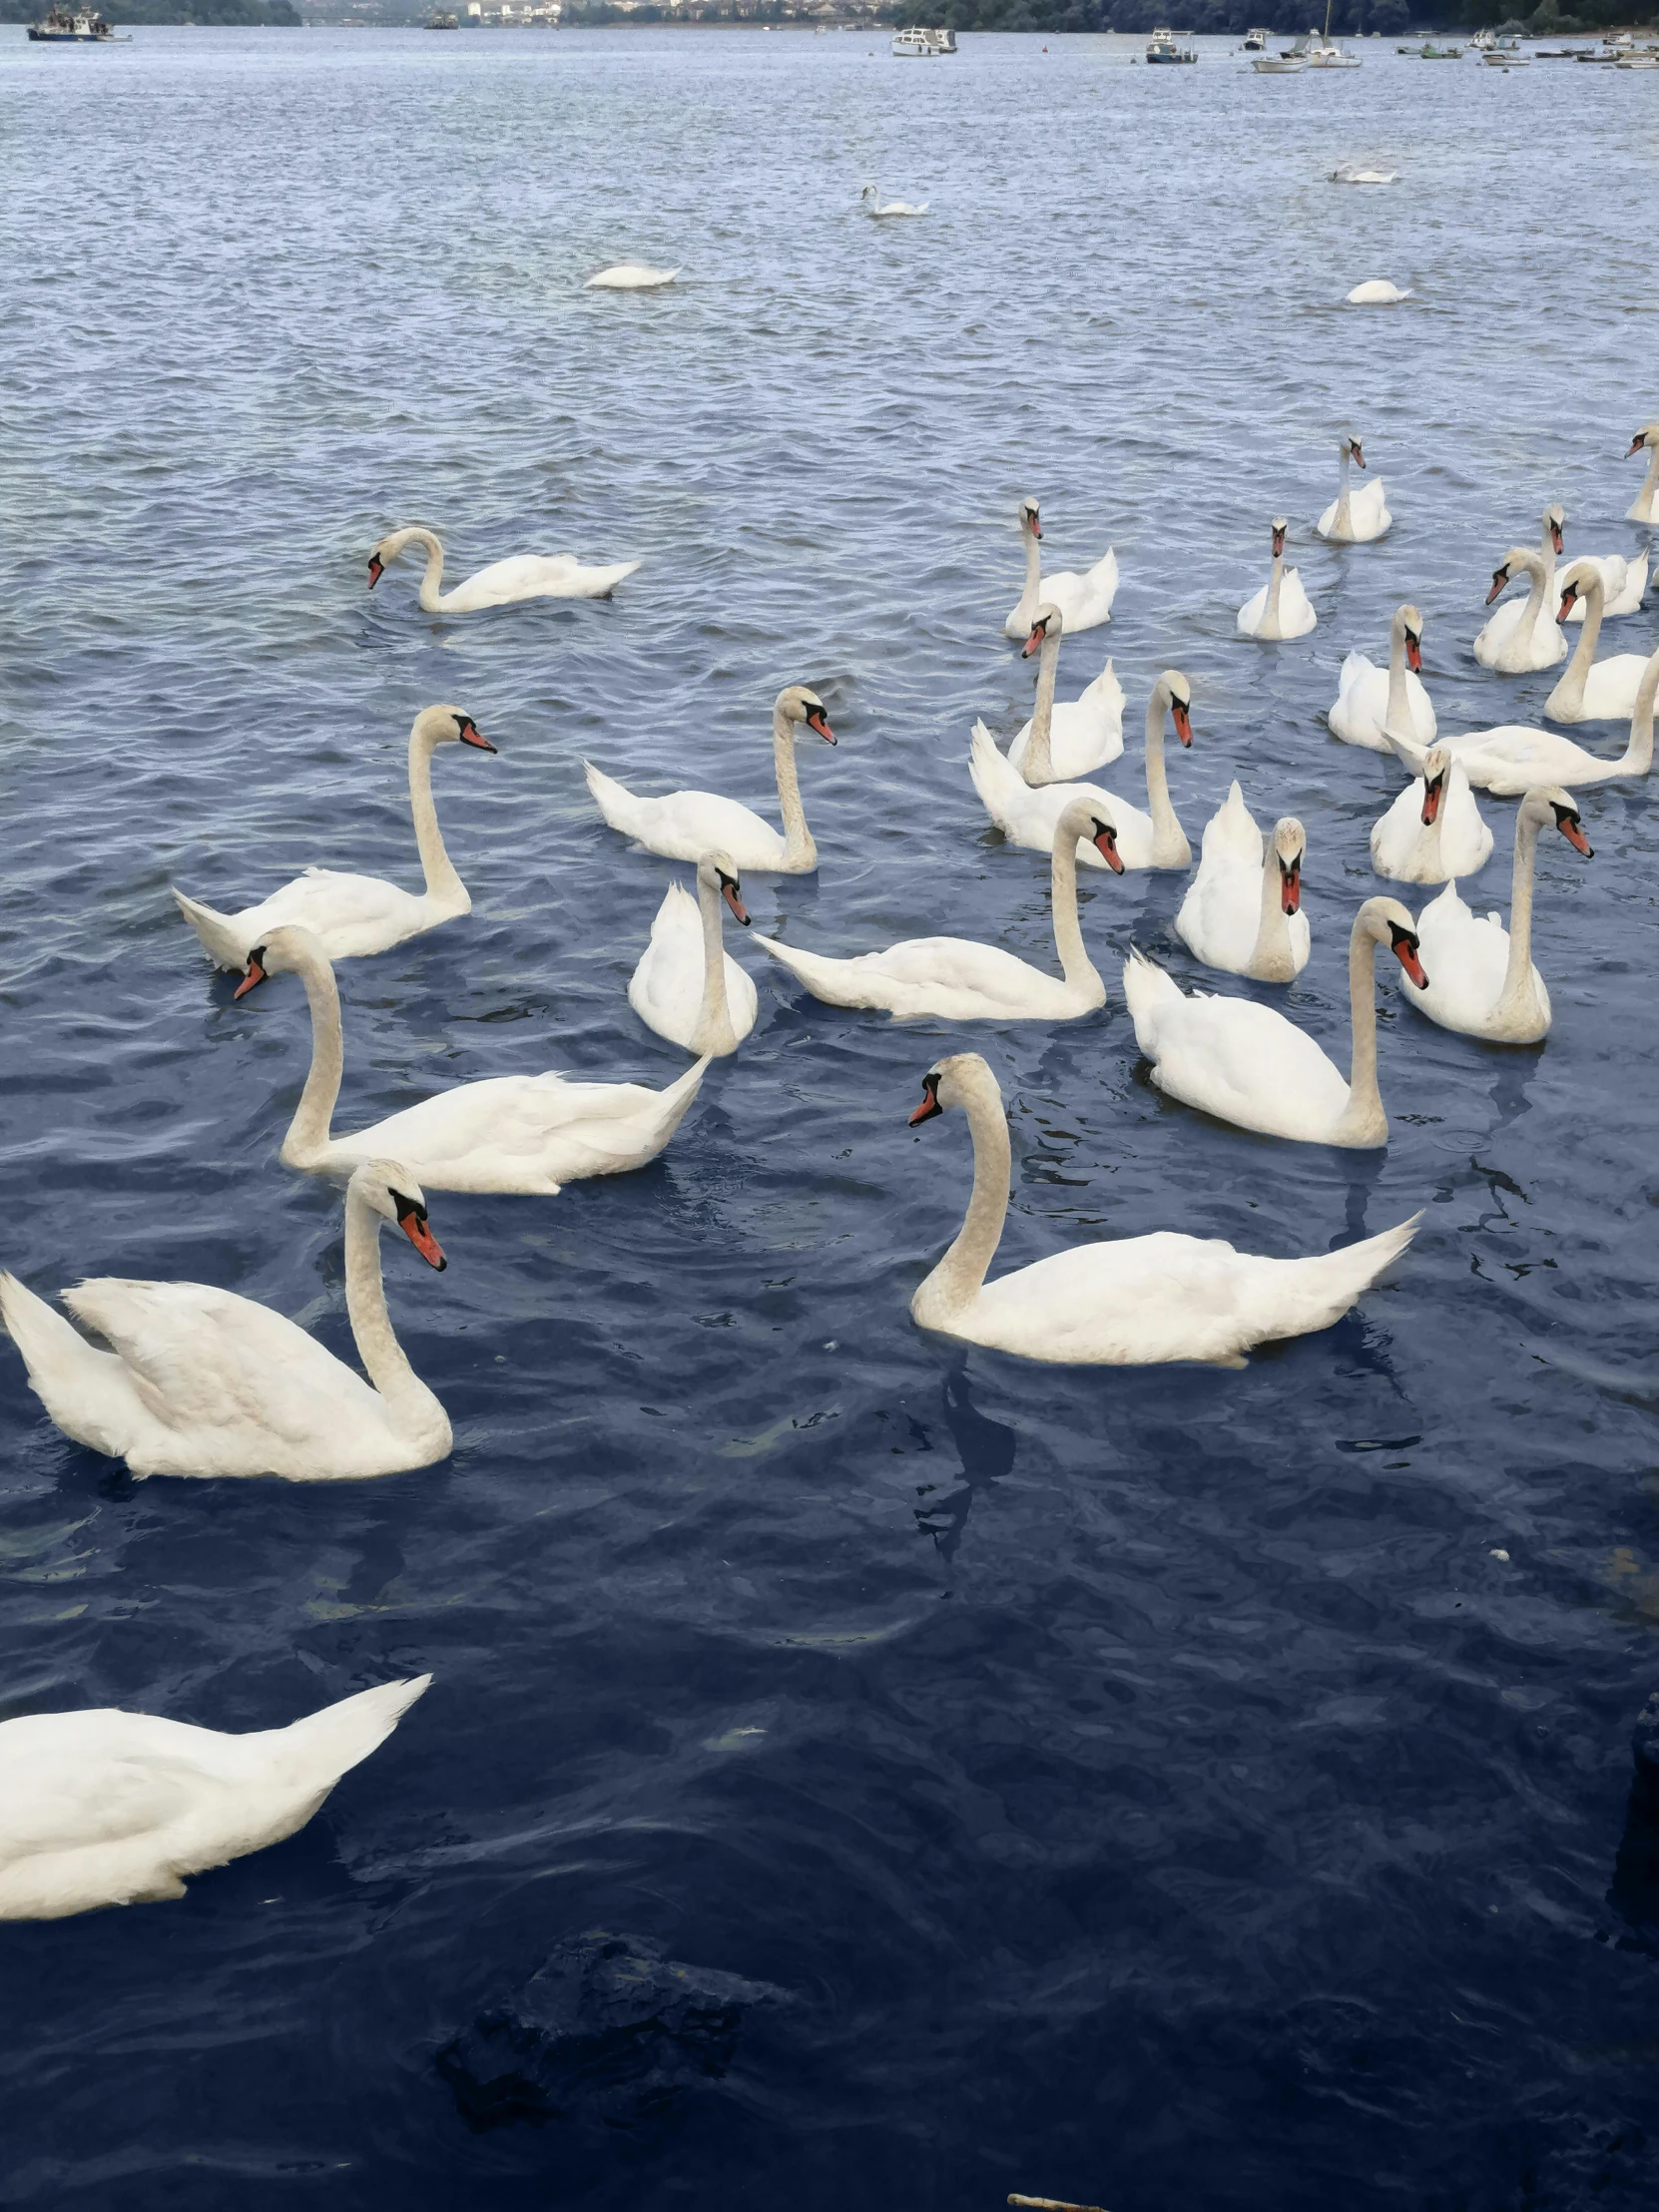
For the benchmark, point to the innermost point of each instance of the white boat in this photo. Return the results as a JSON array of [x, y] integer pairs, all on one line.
[[918, 44], [1645, 58], [1275, 65], [1164, 47], [1318, 50], [1255, 42]]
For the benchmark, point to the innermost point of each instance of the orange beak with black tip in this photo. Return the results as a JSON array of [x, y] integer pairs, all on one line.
[[1569, 827], [1405, 947], [1106, 845], [1183, 720], [1500, 576], [1414, 653], [472, 735], [1277, 543], [377, 569], [1569, 599], [1354, 448], [729, 891], [1034, 525], [818, 721], [1033, 643], [929, 1101], [1432, 792], [412, 1221], [1290, 887], [1636, 444], [257, 973], [1556, 537]]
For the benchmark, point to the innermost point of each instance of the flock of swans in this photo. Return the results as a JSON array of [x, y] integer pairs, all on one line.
[[191, 1380]]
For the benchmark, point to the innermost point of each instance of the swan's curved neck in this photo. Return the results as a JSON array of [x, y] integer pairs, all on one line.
[[1650, 483], [1638, 753], [409, 1403], [1342, 527], [1363, 1120], [1516, 997], [960, 1276], [1272, 960], [713, 1020], [1538, 586], [443, 886], [431, 582], [800, 852], [1396, 718], [310, 1132], [1169, 841], [1038, 765], [1571, 689], [1269, 613], [1079, 970], [1033, 571]]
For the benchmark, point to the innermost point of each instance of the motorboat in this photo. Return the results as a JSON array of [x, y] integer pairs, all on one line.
[[1255, 42], [1164, 47], [918, 44], [1275, 65], [61, 26]]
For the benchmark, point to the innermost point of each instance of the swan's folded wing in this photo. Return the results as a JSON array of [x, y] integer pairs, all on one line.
[[1250, 613], [703, 822], [62, 1789], [199, 1357], [1228, 1055], [324, 899], [1232, 830]]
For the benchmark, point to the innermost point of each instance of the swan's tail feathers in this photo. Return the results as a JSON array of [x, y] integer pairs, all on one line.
[[1148, 991], [84, 1388], [614, 800], [1103, 577], [1407, 748], [673, 1103], [1105, 685], [1333, 1281], [316, 1751], [992, 773], [221, 939], [601, 582], [824, 978]]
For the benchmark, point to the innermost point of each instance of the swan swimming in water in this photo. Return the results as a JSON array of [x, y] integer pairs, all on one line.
[[110, 1808], [630, 276], [871, 197], [687, 985], [1592, 690], [200, 1382], [1243, 909], [1281, 609], [1084, 601], [1354, 517], [1645, 507], [1066, 739], [1376, 292], [1372, 703], [1523, 634], [1433, 830], [1512, 759], [1131, 1302], [1027, 816], [355, 916], [503, 583]]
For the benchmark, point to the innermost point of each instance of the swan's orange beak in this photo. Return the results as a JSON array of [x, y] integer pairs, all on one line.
[[729, 891], [1414, 653], [1033, 643], [413, 1226], [1431, 794], [1106, 845], [929, 1101], [1183, 722], [472, 735], [1573, 832], [1354, 448], [1636, 444], [1405, 952], [1290, 887], [1570, 595], [1500, 576], [1277, 543], [1034, 526], [1556, 537], [818, 721], [377, 569], [256, 973]]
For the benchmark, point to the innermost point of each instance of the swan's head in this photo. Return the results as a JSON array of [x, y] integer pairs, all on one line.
[[869, 192], [449, 726], [1290, 843], [1029, 521], [1555, 521], [382, 556], [1582, 581], [1521, 560], [1280, 526], [1549, 804], [797, 704], [1648, 434], [720, 872], [288, 950], [1409, 625], [1178, 693], [1047, 622], [1436, 766], [949, 1082], [1386, 921], [1351, 451], [393, 1193], [1086, 820]]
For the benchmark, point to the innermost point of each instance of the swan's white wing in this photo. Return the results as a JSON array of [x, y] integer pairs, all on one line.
[[70, 1780], [350, 914], [535, 576], [1514, 755], [1246, 1063], [1232, 832], [1464, 955], [685, 825], [1296, 609], [1250, 613]]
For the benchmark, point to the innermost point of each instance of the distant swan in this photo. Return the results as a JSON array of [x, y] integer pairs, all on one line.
[[103, 1807], [1281, 609], [200, 1382], [1592, 690], [1355, 518], [1377, 292], [1484, 983], [1514, 757], [525, 1134], [354, 916], [871, 197], [1349, 172], [1246, 1063], [1523, 634], [1645, 507], [1433, 830], [1371, 703], [1084, 601], [1067, 739], [1243, 909], [630, 276], [687, 985], [1027, 816], [684, 825], [960, 979], [503, 583], [1131, 1302]]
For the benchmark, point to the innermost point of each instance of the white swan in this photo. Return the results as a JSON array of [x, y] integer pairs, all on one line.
[[1376, 292], [963, 980], [1514, 757], [1354, 517], [1281, 609], [111, 1808], [354, 916], [1433, 830], [1243, 909], [871, 197], [630, 276], [1623, 584], [1484, 983], [503, 583], [1592, 690], [1645, 507], [1246, 1064], [687, 985], [684, 825], [1134, 1302], [1085, 601], [200, 1382], [1351, 173], [1372, 703], [1523, 634], [1028, 816], [526, 1134], [1066, 740]]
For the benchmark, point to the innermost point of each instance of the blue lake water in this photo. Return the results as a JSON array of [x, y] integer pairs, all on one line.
[[1146, 1788]]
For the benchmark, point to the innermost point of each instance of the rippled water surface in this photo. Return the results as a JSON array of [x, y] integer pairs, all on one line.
[[1150, 1787]]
